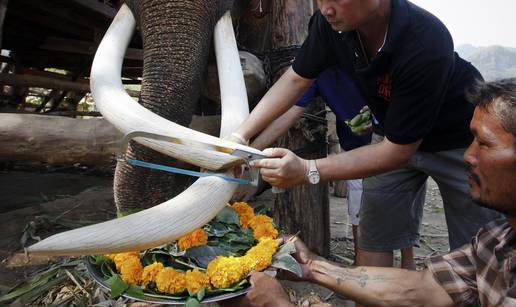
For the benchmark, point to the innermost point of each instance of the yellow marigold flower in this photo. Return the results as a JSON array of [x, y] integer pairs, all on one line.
[[245, 212], [265, 230], [170, 281], [196, 280], [259, 219], [194, 238], [120, 258], [260, 256], [225, 271], [131, 270], [150, 272]]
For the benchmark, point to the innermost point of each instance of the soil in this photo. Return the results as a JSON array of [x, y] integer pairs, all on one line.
[[43, 202]]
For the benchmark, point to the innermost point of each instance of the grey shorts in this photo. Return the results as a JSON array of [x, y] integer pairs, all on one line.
[[392, 203]]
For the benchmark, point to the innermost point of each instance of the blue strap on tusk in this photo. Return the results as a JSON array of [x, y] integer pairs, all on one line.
[[185, 172]]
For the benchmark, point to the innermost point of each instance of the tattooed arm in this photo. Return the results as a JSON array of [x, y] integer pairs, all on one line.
[[372, 286], [376, 286]]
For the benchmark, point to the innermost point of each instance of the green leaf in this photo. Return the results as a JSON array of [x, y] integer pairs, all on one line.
[[288, 263], [135, 291], [200, 294], [37, 281], [192, 302], [216, 229], [118, 286], [228, 216], [286, 249], [260, 210], [204, 254]]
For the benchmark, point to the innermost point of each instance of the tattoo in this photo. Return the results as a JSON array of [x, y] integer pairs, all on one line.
[[358, 276]]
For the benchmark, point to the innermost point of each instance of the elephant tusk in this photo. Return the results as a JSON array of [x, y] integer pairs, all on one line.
[[192, 208]]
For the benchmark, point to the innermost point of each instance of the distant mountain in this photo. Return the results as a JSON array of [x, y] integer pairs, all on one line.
[[494, 62]]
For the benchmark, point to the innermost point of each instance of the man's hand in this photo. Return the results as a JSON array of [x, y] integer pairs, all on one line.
[[283, 168], [265, 291], [303, 256]]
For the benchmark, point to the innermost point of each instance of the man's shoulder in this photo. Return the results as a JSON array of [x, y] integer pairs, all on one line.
[[494, 230], [426, 31]]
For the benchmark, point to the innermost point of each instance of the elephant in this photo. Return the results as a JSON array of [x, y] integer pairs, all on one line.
[[173, 66], [176, 41]]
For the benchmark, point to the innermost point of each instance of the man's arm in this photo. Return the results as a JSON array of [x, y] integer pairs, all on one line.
[[284, 169], [277, 128], [366, 161], [282, 95], [377, 286]]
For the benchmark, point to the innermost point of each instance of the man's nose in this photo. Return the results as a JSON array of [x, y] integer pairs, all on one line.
[[470, 153], [326, 9]]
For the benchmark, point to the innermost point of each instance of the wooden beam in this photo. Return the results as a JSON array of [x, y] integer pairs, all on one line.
[[52, 25], [83, 47], [38, 81], [97, 7]]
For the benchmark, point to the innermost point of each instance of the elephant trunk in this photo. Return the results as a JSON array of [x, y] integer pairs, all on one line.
[[176, 40]]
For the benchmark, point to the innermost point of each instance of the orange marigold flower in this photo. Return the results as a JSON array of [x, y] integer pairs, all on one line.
[[225, 271], [170, 281], [259, 219], [194, 238], [120, 258], [265, 230], [245, 212], [131, 270], [196, 280], [259, 257], [150, 272]]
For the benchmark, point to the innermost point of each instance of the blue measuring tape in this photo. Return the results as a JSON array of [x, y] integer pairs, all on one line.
[[185, 172]]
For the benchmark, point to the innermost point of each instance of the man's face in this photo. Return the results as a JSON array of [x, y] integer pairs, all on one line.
[[347, 15], [492, 162]]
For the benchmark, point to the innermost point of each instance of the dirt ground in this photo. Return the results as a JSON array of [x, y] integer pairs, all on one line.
[[46, 201]]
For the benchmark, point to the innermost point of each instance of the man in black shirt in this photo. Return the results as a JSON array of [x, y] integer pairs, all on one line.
[[401, 58]]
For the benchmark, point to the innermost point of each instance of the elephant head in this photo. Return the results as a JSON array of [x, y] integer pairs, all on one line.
[[176, 41], [167, 56]]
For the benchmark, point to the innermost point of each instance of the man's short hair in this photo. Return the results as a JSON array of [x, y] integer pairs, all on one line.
[[501, 96]]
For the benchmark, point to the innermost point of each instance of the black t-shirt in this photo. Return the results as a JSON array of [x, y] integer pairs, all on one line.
[[416, 84]]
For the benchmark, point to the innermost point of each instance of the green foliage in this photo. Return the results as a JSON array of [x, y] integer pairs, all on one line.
[[360, 122], [283, 259]]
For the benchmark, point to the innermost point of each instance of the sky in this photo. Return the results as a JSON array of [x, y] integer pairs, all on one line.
[[476, 22]]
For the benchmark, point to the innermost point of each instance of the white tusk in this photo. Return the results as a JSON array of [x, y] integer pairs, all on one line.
[[189, 210]]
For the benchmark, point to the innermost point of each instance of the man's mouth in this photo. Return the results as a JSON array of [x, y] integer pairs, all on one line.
[[472, 177]]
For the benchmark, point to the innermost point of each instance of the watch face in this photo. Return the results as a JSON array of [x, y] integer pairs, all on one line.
[[313, 177]]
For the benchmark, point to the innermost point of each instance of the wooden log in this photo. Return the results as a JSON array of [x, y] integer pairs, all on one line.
[[45, 82], [303, 208], [57, 140]]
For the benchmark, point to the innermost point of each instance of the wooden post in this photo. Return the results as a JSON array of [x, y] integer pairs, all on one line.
[[304, 208], [3, 9]]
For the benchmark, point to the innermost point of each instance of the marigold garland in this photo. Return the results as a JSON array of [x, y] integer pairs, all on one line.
[[150, 272], [170, 281], [197, 280], [245, 212], [195, 238], [222, 272]]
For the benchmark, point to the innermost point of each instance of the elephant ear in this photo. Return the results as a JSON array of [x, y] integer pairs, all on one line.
[[192, 208]]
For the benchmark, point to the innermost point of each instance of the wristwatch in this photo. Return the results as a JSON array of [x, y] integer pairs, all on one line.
[[313, 172]]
